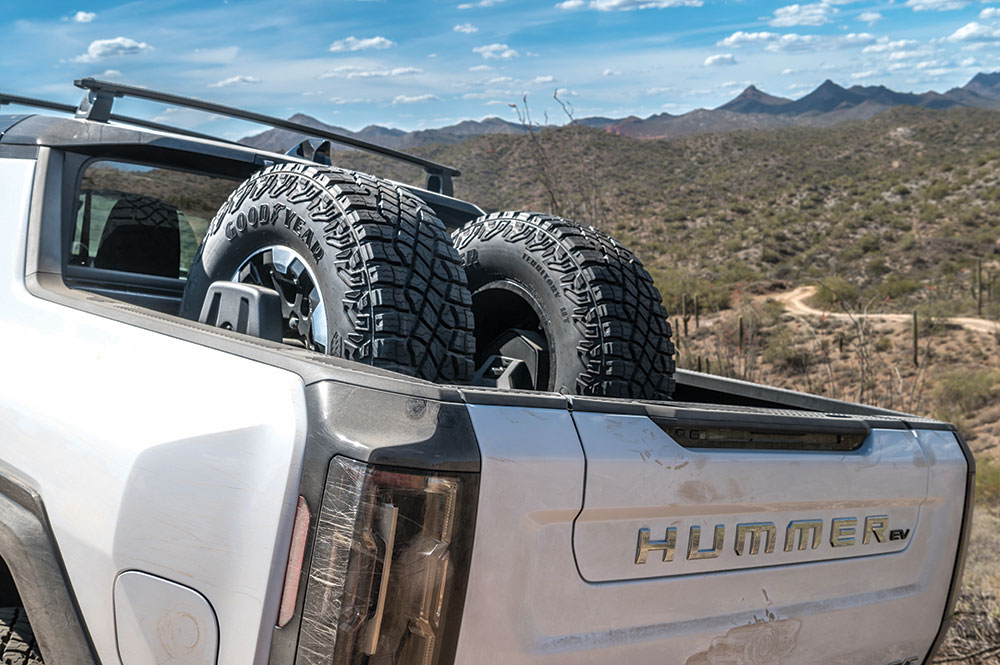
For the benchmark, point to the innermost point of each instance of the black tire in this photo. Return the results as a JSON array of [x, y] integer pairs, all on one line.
[[590, 298], [380, 262], [17, 641]]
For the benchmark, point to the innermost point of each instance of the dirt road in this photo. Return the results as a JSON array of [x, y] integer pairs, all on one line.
[[795, 303]]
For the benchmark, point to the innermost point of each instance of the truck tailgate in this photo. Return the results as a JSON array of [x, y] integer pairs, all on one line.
[[810, 556]]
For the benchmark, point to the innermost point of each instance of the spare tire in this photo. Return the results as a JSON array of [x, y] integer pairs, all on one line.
[[364, 268], [572, 301]]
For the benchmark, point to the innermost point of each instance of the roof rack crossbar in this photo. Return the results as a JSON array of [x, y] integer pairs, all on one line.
[[102, 93], [69, 108]]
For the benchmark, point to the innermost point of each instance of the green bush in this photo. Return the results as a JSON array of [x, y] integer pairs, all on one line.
[[896, 286], [836, 290], [961, 392], [987, 483]]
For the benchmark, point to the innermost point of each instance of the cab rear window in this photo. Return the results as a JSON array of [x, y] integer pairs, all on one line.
[[142, 219]]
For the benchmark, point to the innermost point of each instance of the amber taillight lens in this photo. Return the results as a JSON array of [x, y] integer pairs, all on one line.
[[386, 581]]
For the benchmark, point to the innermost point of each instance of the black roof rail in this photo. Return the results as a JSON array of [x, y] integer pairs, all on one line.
[[96, 105], [69, 108]]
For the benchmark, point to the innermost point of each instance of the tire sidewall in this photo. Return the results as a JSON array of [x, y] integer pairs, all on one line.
[[241, 230], [564, 335]]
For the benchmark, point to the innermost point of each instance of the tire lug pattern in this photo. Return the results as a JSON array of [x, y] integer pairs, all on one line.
[[626, 348], [403, 275]]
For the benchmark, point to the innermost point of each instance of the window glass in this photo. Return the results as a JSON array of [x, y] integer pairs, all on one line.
[[143, 219]]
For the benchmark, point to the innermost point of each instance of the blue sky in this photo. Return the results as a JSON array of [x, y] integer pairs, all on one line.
[[431, 63]]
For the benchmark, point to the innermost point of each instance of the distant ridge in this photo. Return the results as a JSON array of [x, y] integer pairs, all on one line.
[[829, 104], [752, 100], [280, 140]]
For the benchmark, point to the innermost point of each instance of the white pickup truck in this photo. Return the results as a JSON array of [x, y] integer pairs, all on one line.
[[237, 481]]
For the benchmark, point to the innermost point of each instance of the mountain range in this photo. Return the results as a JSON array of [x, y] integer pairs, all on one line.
[[827, 105]]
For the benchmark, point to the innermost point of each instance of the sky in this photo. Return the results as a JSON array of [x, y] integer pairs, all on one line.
[[422, 64]]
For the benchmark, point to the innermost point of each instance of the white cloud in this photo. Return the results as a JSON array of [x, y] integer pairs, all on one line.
[[856, 38], [234, 80], [352, 43], [970, 62], [627, 5], [110, 73], [356, 100], [974, 32], [467, 28], [739, 38], [566, 92], [935, 5], [109, 48], [479, 68], [786, 72], [353, 72], [481, 3], [544, 79], [906, 55], [792, 15], [883, 44], [83, 17], [720, 59], [496, 52], [990, 12], [870, 17], [496, 80], [864, 75], [794, 42], [611, 72], [407, 99]]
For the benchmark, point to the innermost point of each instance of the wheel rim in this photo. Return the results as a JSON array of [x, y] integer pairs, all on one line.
[[504, 310], [302, 308]]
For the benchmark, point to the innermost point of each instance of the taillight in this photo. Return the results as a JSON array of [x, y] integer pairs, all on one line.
[[386, 569]]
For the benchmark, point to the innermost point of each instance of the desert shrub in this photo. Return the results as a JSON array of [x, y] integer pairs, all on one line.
[[784, 354], [896, 285], [835, 290], [987, 483], [961, 392]]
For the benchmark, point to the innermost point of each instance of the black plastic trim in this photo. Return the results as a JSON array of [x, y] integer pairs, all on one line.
[[284, 639], [696, 428], [699, 387], [386, 428], [29, 548], [963, 546], [18, 151], [8, 121]]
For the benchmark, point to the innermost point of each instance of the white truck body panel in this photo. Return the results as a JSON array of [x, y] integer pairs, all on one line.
[[638, 477], [528, 603], [191, 472]]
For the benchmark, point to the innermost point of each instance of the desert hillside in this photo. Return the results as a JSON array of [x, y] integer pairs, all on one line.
[[898, 208]]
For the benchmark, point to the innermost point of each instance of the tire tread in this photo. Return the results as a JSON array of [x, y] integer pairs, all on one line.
[[17, 641], [626, 348]]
